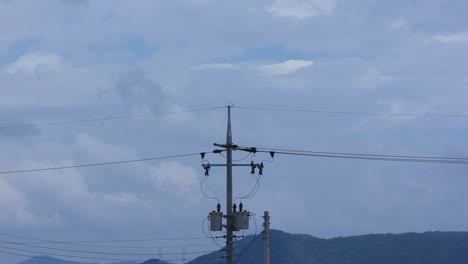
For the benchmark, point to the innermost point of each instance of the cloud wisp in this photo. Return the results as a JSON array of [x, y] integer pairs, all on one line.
[[301, 8]]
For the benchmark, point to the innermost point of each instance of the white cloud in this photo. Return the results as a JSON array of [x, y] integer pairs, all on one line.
[[174, 177], [301, 8], [99, 150], [13, 206], [448, 38], [67, 186], [41, 199], [35, 62], [370, 79], [283, 68], [55, 198]]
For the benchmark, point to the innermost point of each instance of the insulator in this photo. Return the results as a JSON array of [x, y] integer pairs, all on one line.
[[252, 165], [207, 169], [260, 169], [202, 155], [218, 207], [234, 207], [272, 154], [241, 206]]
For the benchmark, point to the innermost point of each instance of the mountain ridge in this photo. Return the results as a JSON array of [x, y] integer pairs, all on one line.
[[431, 247]]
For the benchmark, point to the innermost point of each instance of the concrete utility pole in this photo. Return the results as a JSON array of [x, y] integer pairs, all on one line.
[[235, 220], [229, 217], [183, 255], [266, 238]]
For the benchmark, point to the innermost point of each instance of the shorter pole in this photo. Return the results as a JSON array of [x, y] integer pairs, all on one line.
[[266, 238]]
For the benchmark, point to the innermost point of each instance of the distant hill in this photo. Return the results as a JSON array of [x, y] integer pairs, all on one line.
[[155, 261], [45, 260], [409, 248], [52, 260]]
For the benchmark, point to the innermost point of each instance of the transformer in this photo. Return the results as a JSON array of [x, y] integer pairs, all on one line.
[[216, 221], [241, 220]]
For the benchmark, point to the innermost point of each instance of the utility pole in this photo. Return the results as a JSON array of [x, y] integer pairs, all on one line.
[[266, 238], [229, 218], [235, 220], [183, 256]]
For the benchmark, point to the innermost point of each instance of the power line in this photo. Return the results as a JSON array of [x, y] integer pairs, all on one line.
[[100, 252], [105, 241], [361, 156], [44, 258], [78, 257], [108, 118], [97, 164], [253, 237], [69, 256], [317, 111], [252, 192], [81, 244]]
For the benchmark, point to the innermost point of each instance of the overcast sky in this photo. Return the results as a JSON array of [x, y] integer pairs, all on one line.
[[77, 59]]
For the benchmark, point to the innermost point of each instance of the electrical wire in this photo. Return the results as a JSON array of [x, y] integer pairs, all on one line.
[[44, 258], [257, 184], [89, 252], [249, 154], [99, 252], [97, 164], [243, 239], [108, 118], [204, 193], [251, 242], [68, 256], [361, 156], [252, 192], [351, 112], [105, 241], [90, 258], [119, 247], [376, 158], [81, 262], [209, 236]]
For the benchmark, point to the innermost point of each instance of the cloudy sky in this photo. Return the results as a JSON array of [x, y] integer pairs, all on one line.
[[76, 59]]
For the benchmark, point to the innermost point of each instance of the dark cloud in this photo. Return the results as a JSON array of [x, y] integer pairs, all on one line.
[[136, 90]]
